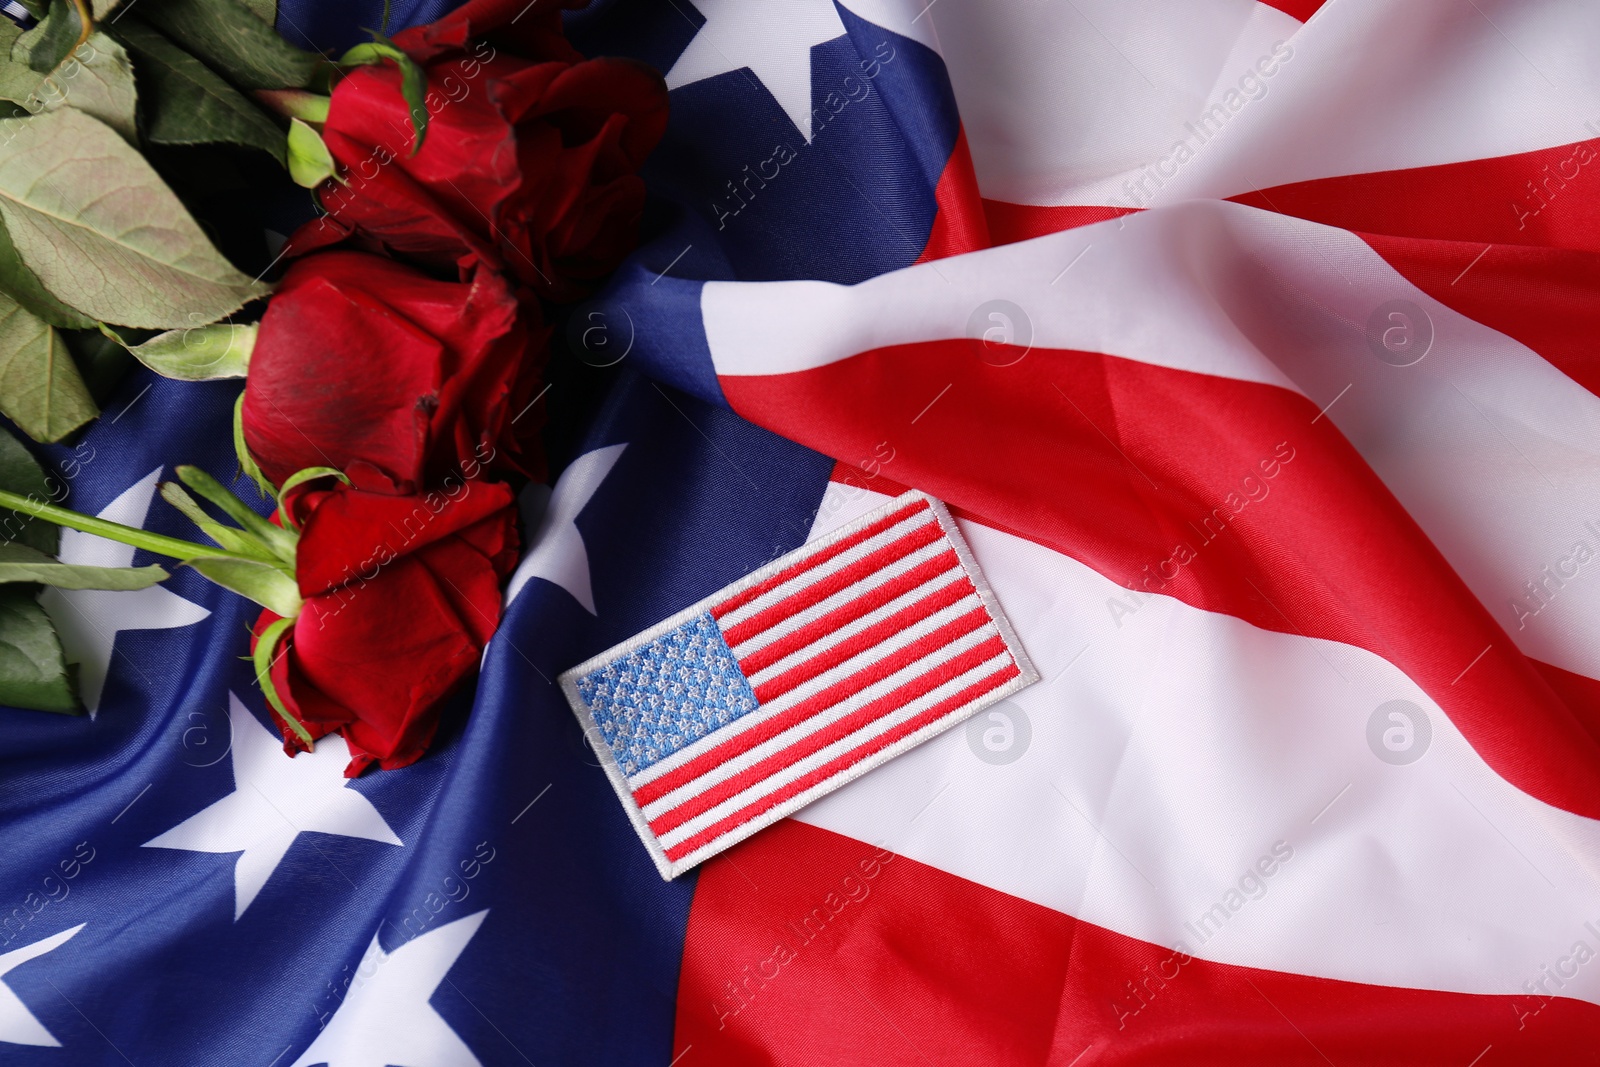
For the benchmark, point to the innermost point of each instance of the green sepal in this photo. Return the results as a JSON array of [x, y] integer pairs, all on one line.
[[263, 660], [413, 79], [300, 477], [266, 583], [310, 162], [297, 104], [34, 672], [247, 462], [204, 353], [234, 542], [19, 563], [280, 542]]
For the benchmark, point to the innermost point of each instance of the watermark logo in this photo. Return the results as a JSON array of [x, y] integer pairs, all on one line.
[[1005, 330], [1001, 734], [600, 336], [1399, 732], [1399, 332]]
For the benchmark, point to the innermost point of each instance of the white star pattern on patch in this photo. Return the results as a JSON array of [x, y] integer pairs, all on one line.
[[773, 38], [386, 1018], [556, 551], [275, 799], [90, 619], [18, 1026]]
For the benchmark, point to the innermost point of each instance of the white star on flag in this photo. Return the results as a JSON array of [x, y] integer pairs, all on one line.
[[18, 1026], [275, 800], [386, 1018], [773, 38], [558, 553], [89, 620]]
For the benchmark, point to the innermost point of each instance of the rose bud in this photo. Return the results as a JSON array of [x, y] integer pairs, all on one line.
[[529, 160], [364, 362], [401, 594]]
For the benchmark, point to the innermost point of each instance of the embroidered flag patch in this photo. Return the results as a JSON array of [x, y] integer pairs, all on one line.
[[796, 679]]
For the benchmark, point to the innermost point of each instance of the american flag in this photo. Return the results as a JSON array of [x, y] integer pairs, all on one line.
[[805, 674], [1286, 476]]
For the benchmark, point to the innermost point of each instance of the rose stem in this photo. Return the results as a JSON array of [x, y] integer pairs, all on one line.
[[114, 531]]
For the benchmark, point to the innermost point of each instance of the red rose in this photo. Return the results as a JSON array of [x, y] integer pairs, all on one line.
[[401, 595], [364, 361], [530, 160]]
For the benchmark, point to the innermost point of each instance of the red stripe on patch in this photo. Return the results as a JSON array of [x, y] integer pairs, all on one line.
[[849, 759]]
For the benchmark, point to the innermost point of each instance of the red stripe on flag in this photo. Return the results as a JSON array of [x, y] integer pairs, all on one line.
[[1546, 298], [851, 758], [877, 633], [1115, 462], [651, 791], [1532, 198], [958, 222], [838, 548], [911, 691], [842, 936], [1010, 223], [1296, 9]]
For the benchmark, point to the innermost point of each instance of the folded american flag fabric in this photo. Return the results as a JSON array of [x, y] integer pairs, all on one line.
[[796, 679], [1251, 347]]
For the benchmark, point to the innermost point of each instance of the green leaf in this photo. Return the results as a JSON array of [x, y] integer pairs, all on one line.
[[280, 542], [40, 387], [17, 79], [255, 580], [99, 9], [20, 473], [185, 103], [265, 10], [413, 79], [33, 669], [19, 563], [47, 44], [247, 462], [233, 41], [23, 286], [263, 657], [221, 350], [97, 79], [310, 162], [104, 233], [232, 541]]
